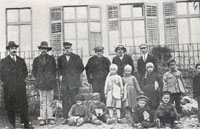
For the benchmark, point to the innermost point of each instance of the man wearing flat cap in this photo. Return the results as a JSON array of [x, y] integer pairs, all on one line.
[[144, 59], [122, 59], [44, 70], [97, 70], [70, 67], [13, 72]]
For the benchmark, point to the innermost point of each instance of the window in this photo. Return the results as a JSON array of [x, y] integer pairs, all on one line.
[[81, 27], [19, 27], [126, 24], [181, 22]]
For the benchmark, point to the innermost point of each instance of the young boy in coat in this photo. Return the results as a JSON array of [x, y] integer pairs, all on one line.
[[196, 88], [78, 113], [166, 112], [98, 111], [143, 116]]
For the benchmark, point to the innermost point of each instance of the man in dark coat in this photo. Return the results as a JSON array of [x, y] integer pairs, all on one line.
[[44, 70], [144, 59], [13, 72], [122, 59], [97, 70], [70, 68]]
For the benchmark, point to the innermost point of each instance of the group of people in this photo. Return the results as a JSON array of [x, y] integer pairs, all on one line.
[[145, 100]]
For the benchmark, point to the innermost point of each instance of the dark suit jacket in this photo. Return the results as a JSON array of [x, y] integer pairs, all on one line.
[[13, 75], [122, 63], [45, 72], [142, 65], [97, 68], [71, 71]]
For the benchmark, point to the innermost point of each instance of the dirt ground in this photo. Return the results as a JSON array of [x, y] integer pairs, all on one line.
[[186, 123]]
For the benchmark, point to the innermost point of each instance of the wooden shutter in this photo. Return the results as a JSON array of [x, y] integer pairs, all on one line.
[[113, 26], [151, 20], [170, 25], [56, 29]]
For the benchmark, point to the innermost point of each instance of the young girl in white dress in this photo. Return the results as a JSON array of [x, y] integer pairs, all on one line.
[[113, 91]]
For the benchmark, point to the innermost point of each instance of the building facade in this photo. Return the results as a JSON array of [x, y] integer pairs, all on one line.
[[89, 23]]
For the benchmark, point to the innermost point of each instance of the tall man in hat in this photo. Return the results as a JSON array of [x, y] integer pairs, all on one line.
[[44, 70], [97, 70], [122, 59], [70, 68], [144, 59], [13, 72]]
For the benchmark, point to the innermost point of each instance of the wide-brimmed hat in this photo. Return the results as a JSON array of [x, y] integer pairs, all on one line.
[[44, 45], [98, 48], [120, 47], [11, 44], [142, 97], [197, 65], [67, 44]]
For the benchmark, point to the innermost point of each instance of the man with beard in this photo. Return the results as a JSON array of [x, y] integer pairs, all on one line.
[[70, 67], [44, 70], [97, 69], [122, 59], [13, 72]]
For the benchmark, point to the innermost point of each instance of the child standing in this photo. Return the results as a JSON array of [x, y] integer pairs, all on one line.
[[166, 112], [98, 111], [151, 85], [143, 116], [131, 89], [173, 82], [113, 91], [78, 114], [196, 88]]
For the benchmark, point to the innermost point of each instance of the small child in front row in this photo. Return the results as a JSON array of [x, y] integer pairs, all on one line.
[[166, 112], [131, 91], [98, 111], [113, 91], [143, 116], [78, 113]]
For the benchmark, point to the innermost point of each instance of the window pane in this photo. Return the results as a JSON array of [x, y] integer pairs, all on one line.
[[83, 44], [25, 38], [95, 40], [125, 11], [183, 31], [114, 40], [127, 41], [95, 27], [182, 8], [139, 29], [70, 32], [12, 15], [195, 30], [139, 41], [194, 7], [69, 13], [81, 12], [126, 28], [82, 30], [25, 15], [13, 34], [94, 13], [137, 10]]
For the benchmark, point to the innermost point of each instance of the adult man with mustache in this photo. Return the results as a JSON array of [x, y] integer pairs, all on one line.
[[13, 72]]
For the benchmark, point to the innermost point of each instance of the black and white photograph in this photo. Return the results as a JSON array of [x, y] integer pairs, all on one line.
[[99, 64]]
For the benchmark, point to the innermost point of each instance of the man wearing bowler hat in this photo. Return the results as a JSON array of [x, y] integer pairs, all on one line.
[[122, 59], [144, 59], [70, 67], [97, 70], [13, 72], [44, 70]]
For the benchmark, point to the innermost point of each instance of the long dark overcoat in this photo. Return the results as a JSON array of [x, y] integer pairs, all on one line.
[[44, 70], [141, 64], [71, 71], [122, 63]]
